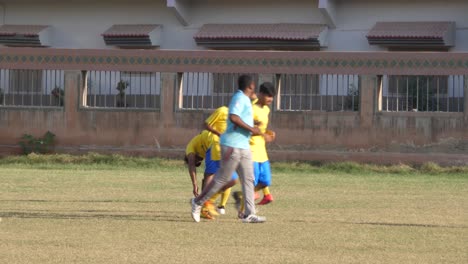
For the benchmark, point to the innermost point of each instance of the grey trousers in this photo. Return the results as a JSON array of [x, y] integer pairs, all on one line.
[[239, 160]]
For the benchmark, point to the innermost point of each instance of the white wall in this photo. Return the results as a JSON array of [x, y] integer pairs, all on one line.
[[259, 11], [356, 17], [79, 24]]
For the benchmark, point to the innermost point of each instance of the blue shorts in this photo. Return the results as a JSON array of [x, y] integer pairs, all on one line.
[[212, 166], [262, 173]]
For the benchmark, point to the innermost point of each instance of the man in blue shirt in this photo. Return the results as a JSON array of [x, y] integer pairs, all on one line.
[[235, 153]]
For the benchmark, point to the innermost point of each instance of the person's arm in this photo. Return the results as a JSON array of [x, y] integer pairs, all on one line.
[[193, 172], [211, 129], [236, 120]]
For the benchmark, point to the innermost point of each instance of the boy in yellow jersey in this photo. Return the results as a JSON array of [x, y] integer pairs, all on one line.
[[262, 169], [194, 155], [216, 124]]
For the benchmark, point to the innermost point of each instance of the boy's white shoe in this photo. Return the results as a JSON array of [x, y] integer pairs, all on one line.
[[196, 209], [221, 210]]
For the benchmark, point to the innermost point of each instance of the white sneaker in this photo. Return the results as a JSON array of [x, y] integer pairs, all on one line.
[[221, 210], [196, 209], [254, 219]]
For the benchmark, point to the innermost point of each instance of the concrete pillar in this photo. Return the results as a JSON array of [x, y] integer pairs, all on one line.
[[84, 89], [73, 86], [277, 101], [465, 100], [379, 94], [168, 95], [367, 103]]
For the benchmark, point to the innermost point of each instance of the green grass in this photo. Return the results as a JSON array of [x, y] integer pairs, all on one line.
[[112, 209], [99, 161]]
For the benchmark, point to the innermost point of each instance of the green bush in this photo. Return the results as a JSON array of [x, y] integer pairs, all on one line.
[[30, 144]]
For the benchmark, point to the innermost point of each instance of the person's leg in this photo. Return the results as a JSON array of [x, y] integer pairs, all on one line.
[[215, 197], [230, 161], [224, 192], [209, 211], [246, 175], [259, 176], [225, 197], [211, 167], [240, 196], [227, 190], [264, 182], [206, 180]]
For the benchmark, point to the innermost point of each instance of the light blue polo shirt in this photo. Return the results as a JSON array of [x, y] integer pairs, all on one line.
[[235, 136]]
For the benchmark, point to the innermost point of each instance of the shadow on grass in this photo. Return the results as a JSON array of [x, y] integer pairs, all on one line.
[[404, 225], [166, 216], [97, 215], [82, 201], [381, 224]]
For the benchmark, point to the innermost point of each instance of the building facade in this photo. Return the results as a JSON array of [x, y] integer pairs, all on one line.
[[386, 77], [346, 23]]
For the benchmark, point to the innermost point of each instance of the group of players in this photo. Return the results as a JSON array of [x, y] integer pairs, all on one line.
[[218, 150]]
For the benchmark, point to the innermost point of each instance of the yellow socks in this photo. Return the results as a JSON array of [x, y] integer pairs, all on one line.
[[214, 197], [266, 190], [225, 197]]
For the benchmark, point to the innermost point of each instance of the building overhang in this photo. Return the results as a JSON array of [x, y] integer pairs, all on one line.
[[262, 36], [25, 35], [133, 36], [413, 34]]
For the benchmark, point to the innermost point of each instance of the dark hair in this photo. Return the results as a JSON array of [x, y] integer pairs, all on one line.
[[244, 81], [268, 88]]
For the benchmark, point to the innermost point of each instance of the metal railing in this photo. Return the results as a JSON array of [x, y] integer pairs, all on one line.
[[203, 90], [325, 92], [423, 93], [324, 81], [117, 89], [32, 88]]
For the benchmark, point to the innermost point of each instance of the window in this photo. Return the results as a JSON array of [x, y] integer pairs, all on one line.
[[203, 90], [26, 81], [327, 92], [423, 93], [38, 88], [113, 89]]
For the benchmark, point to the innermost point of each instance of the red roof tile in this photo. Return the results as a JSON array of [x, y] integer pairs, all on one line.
[[260, 31], [27, 30], [130, 30], [416, 30]]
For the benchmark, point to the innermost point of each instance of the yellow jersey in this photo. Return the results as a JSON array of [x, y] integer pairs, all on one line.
[[257, 143], [199, 144], [217, 120]]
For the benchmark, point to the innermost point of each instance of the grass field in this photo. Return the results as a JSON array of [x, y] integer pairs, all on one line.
[[137, 211]]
